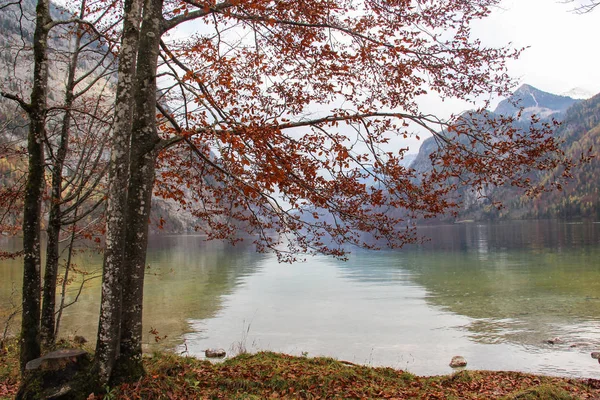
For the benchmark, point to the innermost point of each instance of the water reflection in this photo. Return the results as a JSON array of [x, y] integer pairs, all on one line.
[[186, 278], [190, 278], [541, 235], [520, 283], [492, 293]]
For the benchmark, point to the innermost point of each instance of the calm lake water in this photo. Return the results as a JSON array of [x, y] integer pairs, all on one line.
[[493, 293]]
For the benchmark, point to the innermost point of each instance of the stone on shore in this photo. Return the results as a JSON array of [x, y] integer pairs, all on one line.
[[57, 360], [52, 376], [215, 353], [458, 362]]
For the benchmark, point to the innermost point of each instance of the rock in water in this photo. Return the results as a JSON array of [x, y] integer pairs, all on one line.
[[596, 355], [579, 344], [555, 340], [215, 353], [79, 339], [458, 362]]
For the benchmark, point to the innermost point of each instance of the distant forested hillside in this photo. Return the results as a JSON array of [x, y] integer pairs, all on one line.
[[581, 197], [580, 130]]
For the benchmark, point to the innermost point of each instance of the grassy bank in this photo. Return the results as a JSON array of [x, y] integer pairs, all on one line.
[[271, 375]]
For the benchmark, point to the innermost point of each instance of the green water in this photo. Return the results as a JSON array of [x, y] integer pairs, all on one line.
[[494, 293], [186, 278]]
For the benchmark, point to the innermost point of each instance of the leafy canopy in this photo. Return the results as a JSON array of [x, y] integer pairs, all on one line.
[[279, 114]]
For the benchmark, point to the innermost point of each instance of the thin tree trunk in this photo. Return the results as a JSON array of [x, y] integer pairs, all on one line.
[[51, 270], [144, 147], [63, 292], [30, 323], [107, 345], [48, 328]]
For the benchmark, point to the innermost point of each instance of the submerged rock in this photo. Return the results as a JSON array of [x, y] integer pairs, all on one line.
[[579, 345], [458, 362], [79, 339], [555, 340], [215, 353]]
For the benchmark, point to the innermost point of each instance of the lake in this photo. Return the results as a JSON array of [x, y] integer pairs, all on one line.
[[493, 293]]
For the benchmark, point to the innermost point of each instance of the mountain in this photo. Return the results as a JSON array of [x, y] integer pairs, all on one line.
[[422, 163], [17, 25], [580, 129], [408, 160], [534, 101], [580, 198]]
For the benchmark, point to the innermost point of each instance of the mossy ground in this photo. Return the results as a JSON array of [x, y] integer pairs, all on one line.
[[270, 375]]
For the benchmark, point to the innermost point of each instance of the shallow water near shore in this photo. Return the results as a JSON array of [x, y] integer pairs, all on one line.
[[493, 293]]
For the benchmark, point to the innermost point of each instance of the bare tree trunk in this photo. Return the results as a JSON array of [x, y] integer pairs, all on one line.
[[144, 148], [48, 328], [51, 270], [107, 345], [65, 282], [30, 324]]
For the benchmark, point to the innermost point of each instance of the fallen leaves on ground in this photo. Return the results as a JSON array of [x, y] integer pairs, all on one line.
[[9, 370], [277, 376]]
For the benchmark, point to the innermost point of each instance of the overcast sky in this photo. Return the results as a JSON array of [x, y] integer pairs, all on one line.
[[563, 53], [563, 50]]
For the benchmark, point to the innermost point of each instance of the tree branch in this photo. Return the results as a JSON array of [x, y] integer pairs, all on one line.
[[204, 11], [584, 8], [25, 106]]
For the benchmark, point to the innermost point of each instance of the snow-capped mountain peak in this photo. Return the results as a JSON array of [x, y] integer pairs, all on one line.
[[534, 101]]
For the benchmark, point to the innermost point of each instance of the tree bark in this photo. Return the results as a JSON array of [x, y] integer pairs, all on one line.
[[30, 323], [107, 345], [144, 148]]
